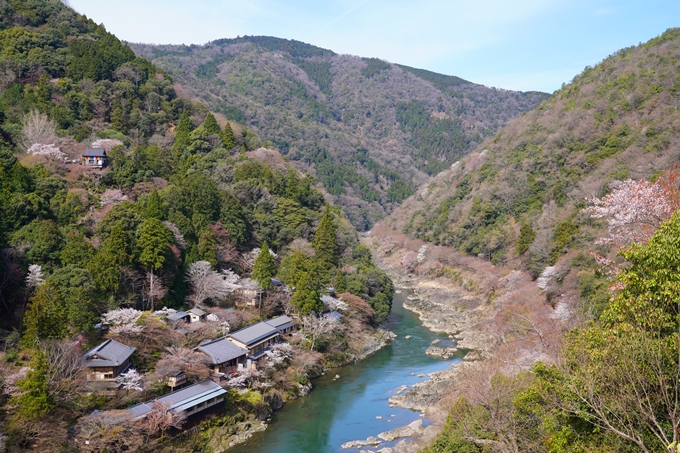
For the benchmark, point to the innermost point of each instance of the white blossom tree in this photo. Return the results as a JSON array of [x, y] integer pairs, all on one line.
[[278, 354], [207, 283], [51, 150], [179, 237], [316, 325], [35, 277], [130, 380]]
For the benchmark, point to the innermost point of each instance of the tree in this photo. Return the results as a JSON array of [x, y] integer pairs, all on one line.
[[182, 358], [623, 375], [154, 206], [36, 400], [209, 284], [153, 241], [161, 418], [635, 209], [325, 242], [207, 247], [227, 136], [37, 129], [316, 325], [182, 132], [264, 268], [210, 124], [130, 380], [307, 297]]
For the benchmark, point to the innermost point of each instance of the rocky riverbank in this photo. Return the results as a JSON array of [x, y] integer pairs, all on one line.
[[476, 303]]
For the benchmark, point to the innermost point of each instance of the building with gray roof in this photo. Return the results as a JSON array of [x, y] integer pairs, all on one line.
[[284, 324], [94, 157], [190, 400], [107, 360], [256, 338], [223, 355]]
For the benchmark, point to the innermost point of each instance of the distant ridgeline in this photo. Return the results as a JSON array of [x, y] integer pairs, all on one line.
[[369, 130]]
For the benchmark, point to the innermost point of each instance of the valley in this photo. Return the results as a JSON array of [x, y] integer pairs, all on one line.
[[258, 244]]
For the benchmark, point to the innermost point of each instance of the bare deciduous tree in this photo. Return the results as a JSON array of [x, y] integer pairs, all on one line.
[[315, 326], [37, 128]]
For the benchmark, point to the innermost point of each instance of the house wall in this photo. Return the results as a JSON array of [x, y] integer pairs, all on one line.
[[210, 403]]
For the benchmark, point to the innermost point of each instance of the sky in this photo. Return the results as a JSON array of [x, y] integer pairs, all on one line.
[[511, 44]]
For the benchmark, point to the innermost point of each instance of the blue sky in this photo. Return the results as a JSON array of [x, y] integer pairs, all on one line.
[[512, 44]]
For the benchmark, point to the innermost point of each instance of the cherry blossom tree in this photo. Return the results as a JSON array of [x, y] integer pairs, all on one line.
[[52, 151], [130, 380], [181, 358], [34, 277], [634, 210], [179, 237], [279, 353], [207, 283], [247, 378], [160, 418]]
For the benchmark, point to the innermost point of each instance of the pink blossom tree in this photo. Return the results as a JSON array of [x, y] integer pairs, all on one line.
[[634, 210]]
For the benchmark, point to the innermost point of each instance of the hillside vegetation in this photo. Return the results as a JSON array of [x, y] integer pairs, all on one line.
[[520, 193], [184, 215], [370, 131]]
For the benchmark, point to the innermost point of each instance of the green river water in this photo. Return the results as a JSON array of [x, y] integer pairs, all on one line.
[[345, 409]]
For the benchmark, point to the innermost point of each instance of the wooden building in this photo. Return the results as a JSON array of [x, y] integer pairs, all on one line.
[[106, 361], [223, 356]]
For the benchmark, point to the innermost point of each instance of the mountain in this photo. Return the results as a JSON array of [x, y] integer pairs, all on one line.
[[370, 131], [614, 121]]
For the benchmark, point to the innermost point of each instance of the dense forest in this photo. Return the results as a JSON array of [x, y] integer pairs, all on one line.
[[186, 213], [368, 130]]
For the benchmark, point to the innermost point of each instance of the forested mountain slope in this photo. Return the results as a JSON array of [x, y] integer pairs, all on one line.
[[370, 131], [520, 193]]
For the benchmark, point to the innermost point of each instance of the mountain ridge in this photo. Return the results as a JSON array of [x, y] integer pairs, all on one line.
[[369, 130]]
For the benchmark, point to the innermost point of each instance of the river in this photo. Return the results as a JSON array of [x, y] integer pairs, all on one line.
[[347, 408]]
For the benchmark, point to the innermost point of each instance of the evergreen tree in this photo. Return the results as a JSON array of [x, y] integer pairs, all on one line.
[[154, 206], [227, 136], [340, 283], [292, 267], [207, 247], [118, 120], [35, 401], [264, 268], [325, 242], [153, 241], [307, 296], [210, 124], [182, 135]]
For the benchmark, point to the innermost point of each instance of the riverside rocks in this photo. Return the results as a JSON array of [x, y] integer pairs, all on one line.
[[414, 429], [223, 438], [443, 353]]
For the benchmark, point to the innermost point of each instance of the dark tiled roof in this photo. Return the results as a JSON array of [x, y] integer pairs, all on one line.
[[109, 353], [176, 316], [95, 152], [281, 323], [221, 350], [255, 333], [180, 400]]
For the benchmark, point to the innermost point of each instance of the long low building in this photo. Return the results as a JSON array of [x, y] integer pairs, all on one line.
[[190, 400]]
